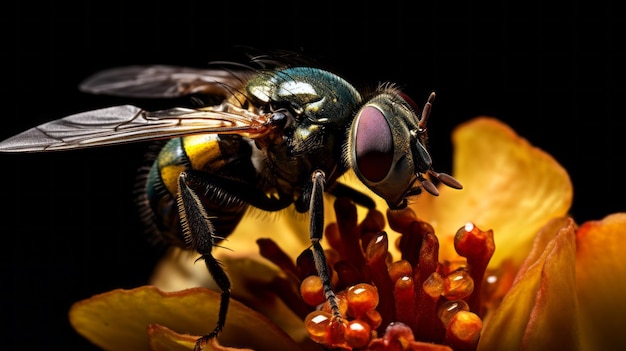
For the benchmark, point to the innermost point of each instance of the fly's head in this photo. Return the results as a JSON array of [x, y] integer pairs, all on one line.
[[387, 149]]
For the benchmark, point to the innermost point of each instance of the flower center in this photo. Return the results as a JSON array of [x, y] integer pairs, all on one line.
[[396, 305]]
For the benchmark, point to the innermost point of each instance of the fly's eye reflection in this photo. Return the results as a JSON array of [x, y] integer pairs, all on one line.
[[221, 159]]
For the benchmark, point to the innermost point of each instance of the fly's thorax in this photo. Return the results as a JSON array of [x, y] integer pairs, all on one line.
[[313, 109], [311, 93], [305, 148], [386, 147]]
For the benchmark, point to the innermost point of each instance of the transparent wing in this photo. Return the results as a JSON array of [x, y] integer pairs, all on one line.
[[126, 123], [162, 81]]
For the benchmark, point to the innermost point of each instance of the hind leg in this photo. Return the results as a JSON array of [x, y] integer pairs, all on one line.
[[210, 207]]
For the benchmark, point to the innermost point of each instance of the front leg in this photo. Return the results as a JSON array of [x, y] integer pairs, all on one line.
[[316, 229]]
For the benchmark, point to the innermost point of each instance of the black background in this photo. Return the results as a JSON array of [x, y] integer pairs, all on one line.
[[553, 71]]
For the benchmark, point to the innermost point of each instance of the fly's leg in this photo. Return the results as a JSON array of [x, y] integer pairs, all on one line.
[[200, 234], [316, 229], [228, 198]]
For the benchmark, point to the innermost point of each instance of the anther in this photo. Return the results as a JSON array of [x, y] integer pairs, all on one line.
[[361, 299], [458, 285], [448, 309], [312, 290], [358, 333], [316, 324]]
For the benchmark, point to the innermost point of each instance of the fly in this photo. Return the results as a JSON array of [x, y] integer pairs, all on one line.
[[279, 137]]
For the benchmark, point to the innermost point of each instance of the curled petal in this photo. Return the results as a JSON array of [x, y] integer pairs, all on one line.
[[509, 187], [164, 339], [600, 283], [121, 319], [540, 311]]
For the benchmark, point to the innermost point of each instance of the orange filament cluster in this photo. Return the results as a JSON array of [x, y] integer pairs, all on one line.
[[359, 317], [414, 302]]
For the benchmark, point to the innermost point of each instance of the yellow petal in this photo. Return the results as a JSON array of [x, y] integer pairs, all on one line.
[[540, 311], [287, 227], [251, 280], [601, 283], [510, 187], [180, 269], [118, 320]]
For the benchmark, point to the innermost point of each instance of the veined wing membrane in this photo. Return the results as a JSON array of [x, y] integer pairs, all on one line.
[[162, 81], [127, 123]]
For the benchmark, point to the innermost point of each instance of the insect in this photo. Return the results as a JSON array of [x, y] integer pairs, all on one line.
[[281, 136]]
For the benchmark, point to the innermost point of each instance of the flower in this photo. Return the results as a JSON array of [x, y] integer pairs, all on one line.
[[499, 265]]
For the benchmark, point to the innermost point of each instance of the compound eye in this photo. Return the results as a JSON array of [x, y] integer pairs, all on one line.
[[374, 144]]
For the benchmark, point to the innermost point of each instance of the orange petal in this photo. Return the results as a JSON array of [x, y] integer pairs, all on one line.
[[601, 283], [540, 311], [510, 187], [117, 320]]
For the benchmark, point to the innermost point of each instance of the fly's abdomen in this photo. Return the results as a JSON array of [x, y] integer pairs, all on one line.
[[209, 155]]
